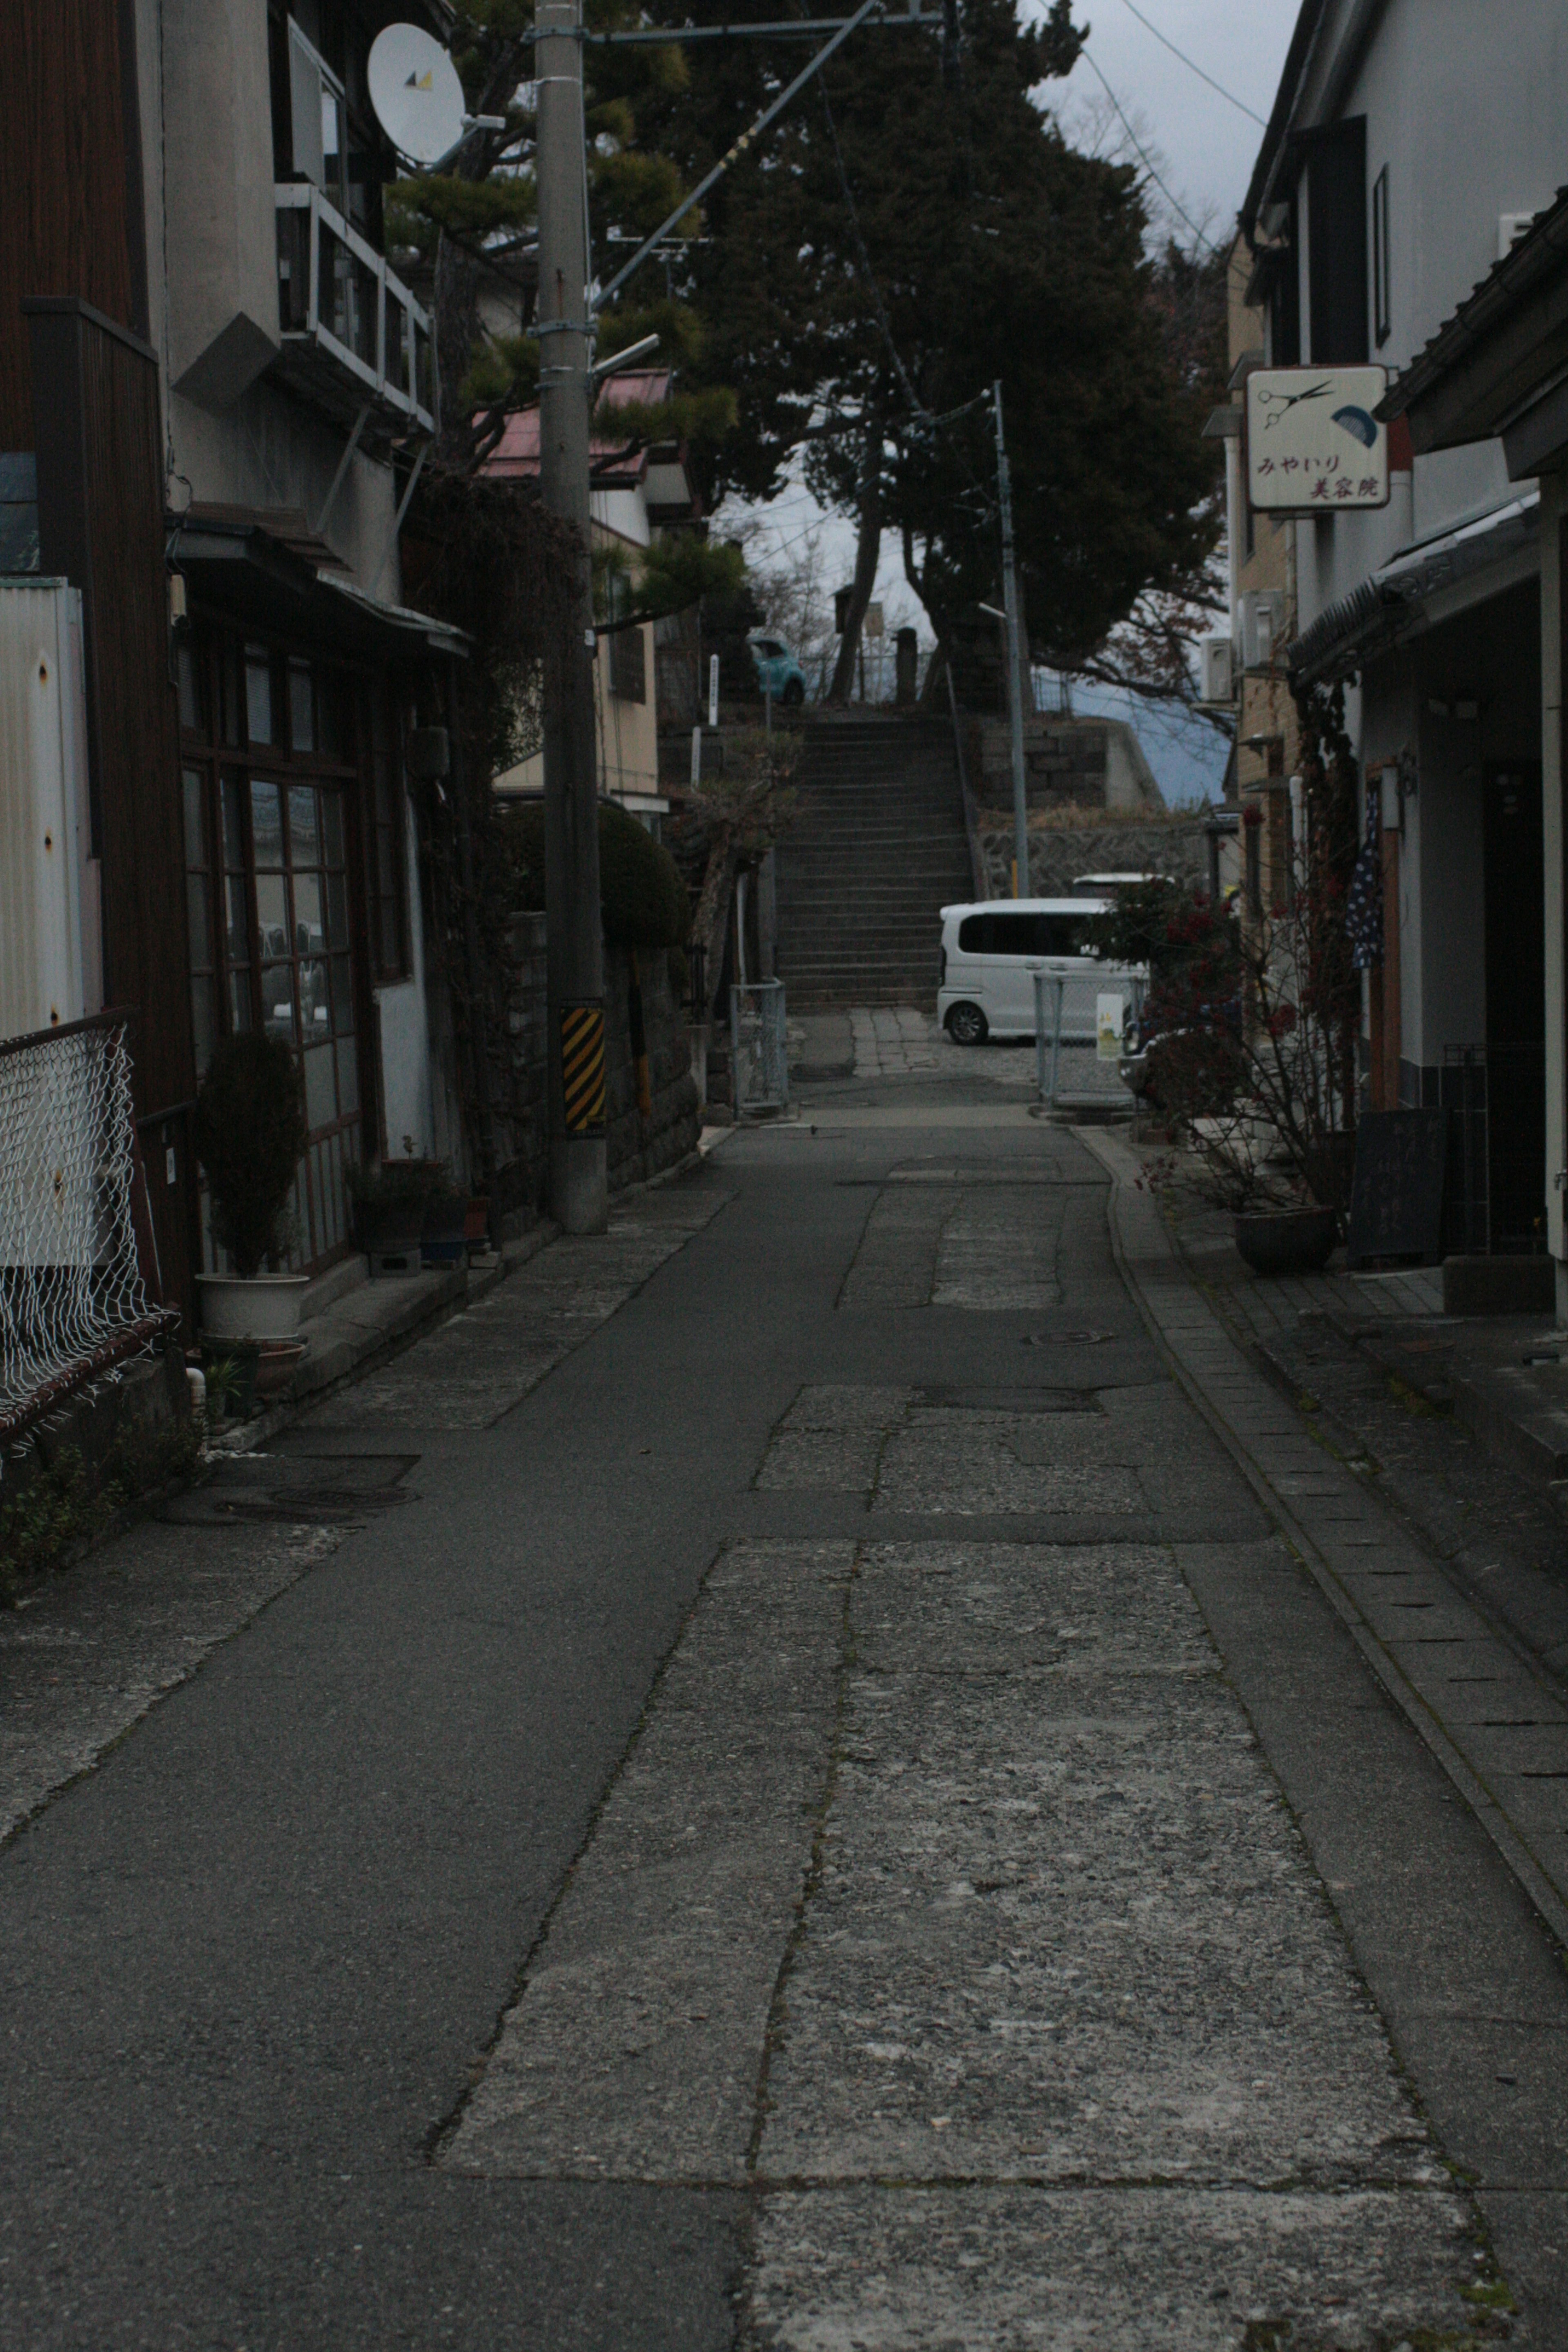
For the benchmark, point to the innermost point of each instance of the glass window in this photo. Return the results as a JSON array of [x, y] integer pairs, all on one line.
[[278, 999], [272, 914], [230, 691], [320, 1087], [304, 825], [267, 822], [302, 708], [188, 671], [1023, 935], [259, 694], [200, 948]]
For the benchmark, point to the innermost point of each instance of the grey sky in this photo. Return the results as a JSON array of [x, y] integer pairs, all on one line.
[[1208, 143]]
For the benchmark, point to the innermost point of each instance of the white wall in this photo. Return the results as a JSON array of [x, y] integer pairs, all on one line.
[[1464, 105]]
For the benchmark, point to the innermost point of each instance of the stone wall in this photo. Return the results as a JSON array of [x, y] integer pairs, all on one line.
[[1170, 841], [1090, 764], [638, 1146]]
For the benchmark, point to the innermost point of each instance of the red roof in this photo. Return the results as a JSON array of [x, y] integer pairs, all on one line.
[[615, 466]]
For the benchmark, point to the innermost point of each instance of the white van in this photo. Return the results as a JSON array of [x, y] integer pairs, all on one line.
[[991, 952]]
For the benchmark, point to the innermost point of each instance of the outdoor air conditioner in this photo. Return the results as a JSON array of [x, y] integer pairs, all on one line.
[[1261, 612], [1216, 669]]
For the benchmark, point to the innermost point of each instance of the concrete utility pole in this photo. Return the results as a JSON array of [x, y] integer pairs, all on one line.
[[579, 1187], [1015, 660]]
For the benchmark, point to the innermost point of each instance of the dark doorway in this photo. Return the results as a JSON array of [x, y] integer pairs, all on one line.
[[1516, 1005]]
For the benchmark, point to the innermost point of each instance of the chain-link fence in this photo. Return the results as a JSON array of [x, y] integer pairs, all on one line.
[[73, 1292], [759, 1047]]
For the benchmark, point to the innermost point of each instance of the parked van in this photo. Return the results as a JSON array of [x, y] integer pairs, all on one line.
[[991, 952], [1113, 886]]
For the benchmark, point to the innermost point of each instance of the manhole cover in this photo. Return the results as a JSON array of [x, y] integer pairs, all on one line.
[[321, 1490]]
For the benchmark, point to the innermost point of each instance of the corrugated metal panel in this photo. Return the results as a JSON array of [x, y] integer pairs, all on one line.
[[44, 971]]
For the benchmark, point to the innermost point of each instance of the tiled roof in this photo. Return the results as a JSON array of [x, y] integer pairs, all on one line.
[[1543, 248]]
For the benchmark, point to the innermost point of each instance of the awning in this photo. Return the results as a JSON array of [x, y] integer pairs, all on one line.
[[1390, 605], [271, 578]]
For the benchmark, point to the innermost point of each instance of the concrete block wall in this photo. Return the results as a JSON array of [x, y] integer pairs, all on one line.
[[639, 1146]]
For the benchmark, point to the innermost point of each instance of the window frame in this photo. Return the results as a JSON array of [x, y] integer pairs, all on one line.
[[221, 752], [1381, 307]]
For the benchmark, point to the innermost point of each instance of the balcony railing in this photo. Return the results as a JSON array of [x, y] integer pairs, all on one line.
[[353, 335]]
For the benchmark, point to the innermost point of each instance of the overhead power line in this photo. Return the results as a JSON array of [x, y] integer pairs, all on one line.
[[1180, 210], [1193, 67]]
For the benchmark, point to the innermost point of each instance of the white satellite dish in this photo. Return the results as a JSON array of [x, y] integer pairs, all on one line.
[[415, 92]]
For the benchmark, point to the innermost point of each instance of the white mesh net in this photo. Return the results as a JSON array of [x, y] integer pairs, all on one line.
[[73, 1300]]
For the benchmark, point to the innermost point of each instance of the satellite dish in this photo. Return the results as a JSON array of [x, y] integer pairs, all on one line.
[[415, 92]]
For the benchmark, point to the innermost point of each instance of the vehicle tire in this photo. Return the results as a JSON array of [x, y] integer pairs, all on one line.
[[794, 693], [967, 1025]]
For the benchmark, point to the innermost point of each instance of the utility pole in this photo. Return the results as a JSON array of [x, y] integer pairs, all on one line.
[[579, 1185], [1014, 661]]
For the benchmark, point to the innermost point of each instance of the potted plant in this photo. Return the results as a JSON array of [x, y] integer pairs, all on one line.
[[249, 1135], [389, 1211], [230, 1370], [442, 1236]]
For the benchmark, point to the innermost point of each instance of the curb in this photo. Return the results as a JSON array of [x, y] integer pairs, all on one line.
[[1544, 1897]]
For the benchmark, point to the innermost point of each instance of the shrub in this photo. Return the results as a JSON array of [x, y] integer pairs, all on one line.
[[641, 895], [249, 1135]]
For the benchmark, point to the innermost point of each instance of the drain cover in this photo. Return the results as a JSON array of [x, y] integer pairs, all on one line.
[[321, 1490]]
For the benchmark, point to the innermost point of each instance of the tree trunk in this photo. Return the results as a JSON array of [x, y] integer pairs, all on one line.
[[457, 332], [867, 551]]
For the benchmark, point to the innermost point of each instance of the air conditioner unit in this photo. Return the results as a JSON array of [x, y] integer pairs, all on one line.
[[1217, 670], [1261, 613]]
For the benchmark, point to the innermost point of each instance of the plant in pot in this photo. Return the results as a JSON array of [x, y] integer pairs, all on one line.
[[443, 1236], [390, 1202], [249, 1135], [1264, 1082]]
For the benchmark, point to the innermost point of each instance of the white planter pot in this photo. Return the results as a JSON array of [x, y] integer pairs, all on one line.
[[266, 1307]]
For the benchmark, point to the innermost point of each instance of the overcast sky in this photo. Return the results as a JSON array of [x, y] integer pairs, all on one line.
[[1208, 143], [1202, 147]]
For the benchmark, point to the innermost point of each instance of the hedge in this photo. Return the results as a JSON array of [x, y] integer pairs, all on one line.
[[641, 894]]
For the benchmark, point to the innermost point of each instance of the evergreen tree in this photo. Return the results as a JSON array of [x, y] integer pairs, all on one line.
[[914, 229]]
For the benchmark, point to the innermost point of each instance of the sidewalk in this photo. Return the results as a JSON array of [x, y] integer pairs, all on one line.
[[1504, 1377], [1498, 1726]]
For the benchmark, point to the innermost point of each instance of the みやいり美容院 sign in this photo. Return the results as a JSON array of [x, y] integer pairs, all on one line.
[[1315, 444]]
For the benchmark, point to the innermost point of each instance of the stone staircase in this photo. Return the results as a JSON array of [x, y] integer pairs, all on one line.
[[877, 846]]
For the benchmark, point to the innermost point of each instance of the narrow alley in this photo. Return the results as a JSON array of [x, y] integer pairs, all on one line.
[[776, 1783]]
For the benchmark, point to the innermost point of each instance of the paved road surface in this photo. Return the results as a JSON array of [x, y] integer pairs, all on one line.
[[774, 1786]]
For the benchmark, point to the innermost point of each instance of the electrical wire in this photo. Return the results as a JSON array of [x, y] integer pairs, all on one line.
[[1178, 210], [1194, 68]]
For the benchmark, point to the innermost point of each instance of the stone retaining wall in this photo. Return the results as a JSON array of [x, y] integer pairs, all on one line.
[[638, 1147], [1174, 843]]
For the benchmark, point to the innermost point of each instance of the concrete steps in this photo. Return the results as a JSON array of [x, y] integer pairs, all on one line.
[[877, 848]]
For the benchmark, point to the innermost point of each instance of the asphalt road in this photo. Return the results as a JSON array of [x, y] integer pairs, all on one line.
[[596, 1715]]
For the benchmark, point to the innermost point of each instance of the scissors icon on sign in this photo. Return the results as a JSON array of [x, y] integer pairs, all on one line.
[[1279, 403]]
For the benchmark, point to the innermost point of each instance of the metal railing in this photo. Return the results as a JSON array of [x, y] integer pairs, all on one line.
[[75, 1251], [353, 333], [759, 1047]]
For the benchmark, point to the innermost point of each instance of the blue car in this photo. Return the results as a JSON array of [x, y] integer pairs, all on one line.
[[778, 672]]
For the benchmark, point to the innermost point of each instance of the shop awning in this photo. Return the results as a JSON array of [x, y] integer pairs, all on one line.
[[264, 568], [1391, 604]]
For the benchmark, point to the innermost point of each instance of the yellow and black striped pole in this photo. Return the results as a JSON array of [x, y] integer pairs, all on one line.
[[582, 1068]]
